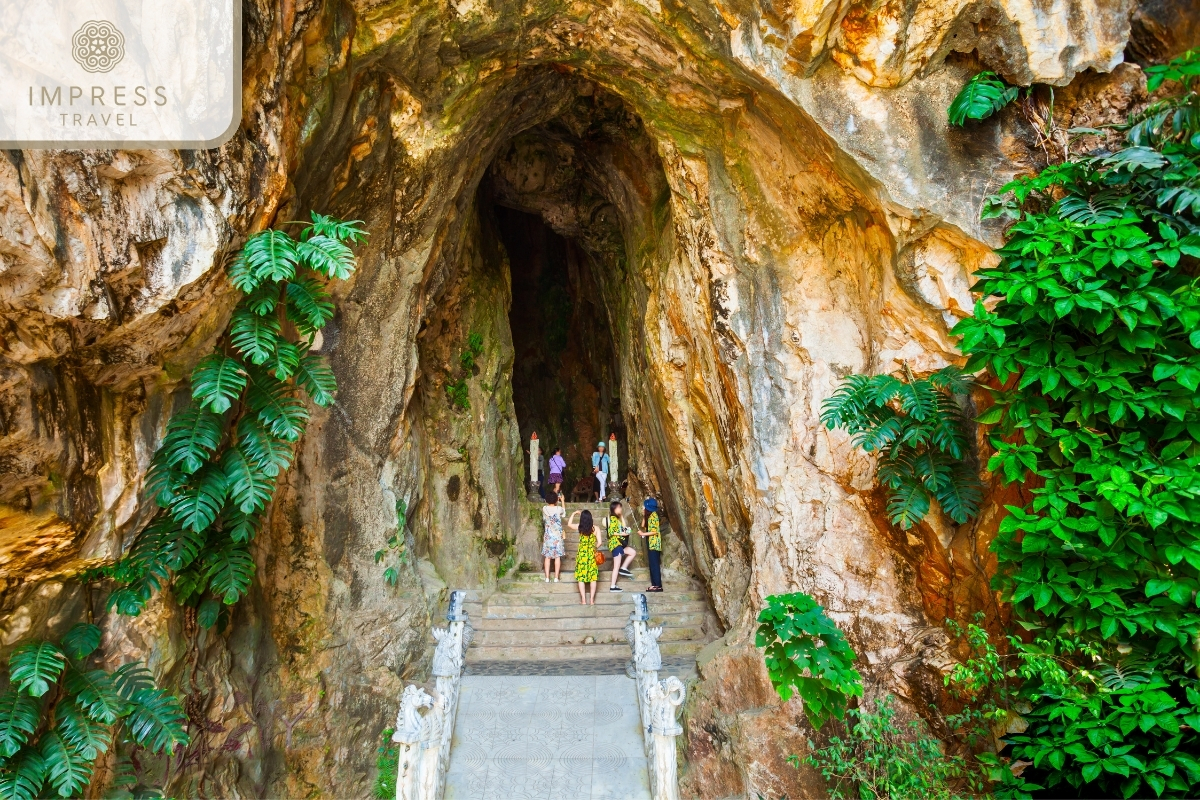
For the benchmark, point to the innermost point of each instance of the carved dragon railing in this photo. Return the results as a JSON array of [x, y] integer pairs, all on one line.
[[658, 701], [424, 724]]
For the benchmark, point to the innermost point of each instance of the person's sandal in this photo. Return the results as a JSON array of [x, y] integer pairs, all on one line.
[[653, 588], [615, 589]]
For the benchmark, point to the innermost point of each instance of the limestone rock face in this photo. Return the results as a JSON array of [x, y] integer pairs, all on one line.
[[767, 197]]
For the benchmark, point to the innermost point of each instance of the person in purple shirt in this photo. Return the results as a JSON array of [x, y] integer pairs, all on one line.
[[558, 467]]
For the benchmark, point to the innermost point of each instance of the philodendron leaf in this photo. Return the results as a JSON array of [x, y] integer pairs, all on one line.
[[984, 95], [35, 667], [82, 640]]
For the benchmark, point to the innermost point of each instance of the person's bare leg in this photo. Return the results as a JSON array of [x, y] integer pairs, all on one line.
[[546, 567], [582, 596], [595, 586], [630, 555], [616, 571], [557, 568]]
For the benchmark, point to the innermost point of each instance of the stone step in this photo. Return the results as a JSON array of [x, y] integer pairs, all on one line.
[[562, 619], [639, 573], [489, 637], [569, 651], [532, 591], [518, 610]]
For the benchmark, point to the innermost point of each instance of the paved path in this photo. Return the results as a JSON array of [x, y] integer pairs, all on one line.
[[547, 738]]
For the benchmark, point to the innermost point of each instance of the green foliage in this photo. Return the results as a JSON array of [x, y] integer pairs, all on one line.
[[395, 551], [917, 428], [457, 391], [807, 655], [459, 394], [984, 95], [387, 767], [878, 759], [1092, 336], [220, 459], [56, 743]]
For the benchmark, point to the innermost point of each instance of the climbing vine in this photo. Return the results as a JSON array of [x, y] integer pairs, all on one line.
[[1092, 338], [218, 464], [58, 716], [916, 427]]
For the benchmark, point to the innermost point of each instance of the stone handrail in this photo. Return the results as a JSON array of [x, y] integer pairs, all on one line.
[[658, 701], [424, 738]]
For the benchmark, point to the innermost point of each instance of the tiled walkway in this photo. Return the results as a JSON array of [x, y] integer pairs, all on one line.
[[547, 738]]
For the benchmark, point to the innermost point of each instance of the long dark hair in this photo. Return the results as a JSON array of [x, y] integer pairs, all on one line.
[[585, 523]]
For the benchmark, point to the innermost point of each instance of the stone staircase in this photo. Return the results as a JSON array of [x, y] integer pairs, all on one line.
[[529, 627]]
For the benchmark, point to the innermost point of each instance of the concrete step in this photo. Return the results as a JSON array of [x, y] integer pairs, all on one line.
[[564, 619], [478, 612], [628, 586], [562, 652], [640, 573], [546, 637]]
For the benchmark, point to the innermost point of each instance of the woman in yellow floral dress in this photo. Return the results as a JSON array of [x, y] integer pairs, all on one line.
[[586, 570]]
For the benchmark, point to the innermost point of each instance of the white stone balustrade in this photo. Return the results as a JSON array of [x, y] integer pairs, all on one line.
[[424, 738], [658, 701]]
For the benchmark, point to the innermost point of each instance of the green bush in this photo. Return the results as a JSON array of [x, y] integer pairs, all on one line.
[[807, 655], [58, 716], [984, 95], [1092, 338], [916, 427], [387, 766], [879, 760]]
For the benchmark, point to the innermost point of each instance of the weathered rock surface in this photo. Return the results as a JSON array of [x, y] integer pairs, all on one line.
[[768, 198]]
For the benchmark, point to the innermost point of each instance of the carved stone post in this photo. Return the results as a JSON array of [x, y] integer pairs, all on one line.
[[409, 725], [613, 481], [665, 699], [533, 466]]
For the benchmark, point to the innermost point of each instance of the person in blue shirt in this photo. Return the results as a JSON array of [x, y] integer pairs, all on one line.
[[600, 473]]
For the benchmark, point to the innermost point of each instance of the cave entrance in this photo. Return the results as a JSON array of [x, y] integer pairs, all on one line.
[[566, 375]]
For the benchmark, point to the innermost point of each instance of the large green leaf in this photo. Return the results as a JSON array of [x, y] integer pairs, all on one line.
[[309, 305], [82, 640], [908, 504], [165, 541], [68, 770], [287, 358], [163, 480], [343, 231], [250, 488], [34, 667], [192, 437], [217, 381], [96, 694], [230, 571], [328, 256], [271, 256], [272, 455], [281, 413], [315, 376], [22, 777], [254, 337], [197, 504], [156, 720], [84, 735], [18, 719], [984, 95]]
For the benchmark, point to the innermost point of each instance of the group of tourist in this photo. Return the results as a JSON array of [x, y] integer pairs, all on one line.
[[590, 554], [600, 473]]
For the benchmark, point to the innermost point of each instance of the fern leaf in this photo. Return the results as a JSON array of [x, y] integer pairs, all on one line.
[[254, 337], [230, 571], [874, 439], [82, 640], [19, 714], [271, 256], [960, 496], [198, 503], [242, 527], [84, 735], [348, 231], [189, 584], [287, 358], [156, 720], [167, 543], [22, 778], [68, 771], [917, 399], [34, 667], [95, 694], [309, 305], [270, 454], [192, 436], [282, 415], [263, 300], [1099, 209], [315, 376], [131, 678], [908, 504], [984, 95], [241, 275], [249, 488], [882, 389], [163, 481], [327, 256], [217, 381], [950, 379]]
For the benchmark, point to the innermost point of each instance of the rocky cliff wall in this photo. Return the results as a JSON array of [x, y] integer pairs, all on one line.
[[772, 200]]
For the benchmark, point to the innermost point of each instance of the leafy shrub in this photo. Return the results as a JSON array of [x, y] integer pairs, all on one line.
[[1094, 343], [879, 760], [459, 394], [58, 717], [387, 766], [395, 544], [807, 655], [917, 428], [984, 95], [216, 469]]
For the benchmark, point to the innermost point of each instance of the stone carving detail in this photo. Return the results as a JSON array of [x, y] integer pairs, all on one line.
[[425, 738], [658, 701]]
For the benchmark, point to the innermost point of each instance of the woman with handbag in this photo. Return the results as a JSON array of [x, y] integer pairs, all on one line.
[[588, 558]]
